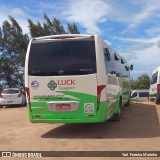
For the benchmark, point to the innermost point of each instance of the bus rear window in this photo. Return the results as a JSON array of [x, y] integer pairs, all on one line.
[[62, 57]]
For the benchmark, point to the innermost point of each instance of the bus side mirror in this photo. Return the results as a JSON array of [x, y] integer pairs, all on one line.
[[131, 67]]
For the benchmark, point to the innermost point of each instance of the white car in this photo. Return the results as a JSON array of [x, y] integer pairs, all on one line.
[[141, 94], [12, 96]]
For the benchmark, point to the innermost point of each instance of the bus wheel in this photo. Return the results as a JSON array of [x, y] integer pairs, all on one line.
[[118, 115], [128, 102]]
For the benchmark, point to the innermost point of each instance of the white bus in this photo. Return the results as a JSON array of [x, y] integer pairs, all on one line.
[[75, 78], [154, 90]]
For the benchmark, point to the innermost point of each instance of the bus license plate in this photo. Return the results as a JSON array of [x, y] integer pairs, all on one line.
[[63, 107]]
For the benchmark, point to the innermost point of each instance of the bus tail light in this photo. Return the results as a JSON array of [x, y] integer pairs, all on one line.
[[99, 91], [158, 87], [28, 97]]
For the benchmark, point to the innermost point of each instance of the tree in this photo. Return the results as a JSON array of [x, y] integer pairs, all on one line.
[[72, 28], [50, 27], [142, 82], [13, 49]]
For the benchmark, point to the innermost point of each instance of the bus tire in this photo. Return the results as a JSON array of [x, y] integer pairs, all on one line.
[[128, 103], [117, 116]]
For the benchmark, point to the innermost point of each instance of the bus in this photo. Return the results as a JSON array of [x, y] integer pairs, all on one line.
[[75, 78], [154, 90]]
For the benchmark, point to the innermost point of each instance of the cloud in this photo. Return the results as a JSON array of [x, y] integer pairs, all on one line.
[[153, 31], [20, 16], [141, 46], [47, 5], [109, 43], [144, 54], [150, 8], [87, 13], [17, 12], [158, 44], [139, 40], [147, 55], [102, 20]]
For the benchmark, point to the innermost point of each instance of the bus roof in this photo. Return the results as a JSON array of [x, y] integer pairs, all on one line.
[[63, 36]]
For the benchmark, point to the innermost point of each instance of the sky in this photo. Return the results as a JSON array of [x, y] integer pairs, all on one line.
[[132, 28]]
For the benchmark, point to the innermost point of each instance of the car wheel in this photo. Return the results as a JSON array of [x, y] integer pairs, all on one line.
[[22, 104], [25, 103]]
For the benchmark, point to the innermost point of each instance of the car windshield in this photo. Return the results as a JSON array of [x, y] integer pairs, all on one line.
[[10, 91], [63, 57]]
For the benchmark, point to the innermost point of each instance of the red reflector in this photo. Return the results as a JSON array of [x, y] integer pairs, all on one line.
[[63, 37], [28, 98], [99, 90], [27, 92], [158, 87]]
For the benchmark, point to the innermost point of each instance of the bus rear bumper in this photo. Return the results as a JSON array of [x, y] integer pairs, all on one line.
[[100, 116], [67, 120]]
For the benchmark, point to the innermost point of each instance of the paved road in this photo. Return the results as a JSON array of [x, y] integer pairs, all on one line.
[[138, 130]]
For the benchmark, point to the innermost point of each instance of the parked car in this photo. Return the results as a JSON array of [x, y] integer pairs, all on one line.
[[12, 96], [141, 94]]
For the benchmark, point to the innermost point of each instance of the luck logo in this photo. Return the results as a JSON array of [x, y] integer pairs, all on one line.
[[52, 85]]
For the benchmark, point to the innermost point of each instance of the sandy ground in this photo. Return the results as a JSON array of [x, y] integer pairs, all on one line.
[[138, 130]]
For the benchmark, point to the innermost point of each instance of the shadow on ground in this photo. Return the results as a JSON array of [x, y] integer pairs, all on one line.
[[138, 121], [13, 106]]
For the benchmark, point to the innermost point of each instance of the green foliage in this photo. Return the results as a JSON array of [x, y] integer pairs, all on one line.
[[142, 82], [72, 28], [50, 27], [13, 45]]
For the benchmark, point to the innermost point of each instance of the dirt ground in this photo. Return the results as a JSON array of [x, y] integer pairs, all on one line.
[[138, 130]]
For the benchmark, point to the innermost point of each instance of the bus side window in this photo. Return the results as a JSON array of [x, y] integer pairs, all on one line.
[[107, 54], [122, 62], [115, 57]]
